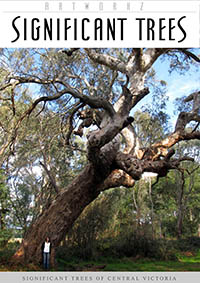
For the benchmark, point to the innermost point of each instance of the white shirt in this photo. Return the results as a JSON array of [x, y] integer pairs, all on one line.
[[46, 247]]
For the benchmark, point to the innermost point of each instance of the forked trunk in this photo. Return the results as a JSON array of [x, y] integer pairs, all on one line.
[[60, 216]]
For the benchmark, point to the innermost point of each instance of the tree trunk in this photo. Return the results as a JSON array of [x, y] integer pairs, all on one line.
[[180, 206], [60, 216], [180, 224]]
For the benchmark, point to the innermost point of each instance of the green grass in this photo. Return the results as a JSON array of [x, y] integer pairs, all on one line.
[[125, 264], [146, 265], [189, 257], [184, 263]]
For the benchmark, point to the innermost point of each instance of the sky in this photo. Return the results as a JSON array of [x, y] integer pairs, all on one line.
[[177, 85]]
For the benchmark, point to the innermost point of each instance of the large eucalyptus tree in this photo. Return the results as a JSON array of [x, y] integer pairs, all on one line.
[[101, 87]]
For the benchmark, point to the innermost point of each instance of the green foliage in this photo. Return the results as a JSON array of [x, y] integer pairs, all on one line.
[[5, 236], [92, 225], [150, 128], [5, 204], [6, 252], [188, 244], [121, 223]]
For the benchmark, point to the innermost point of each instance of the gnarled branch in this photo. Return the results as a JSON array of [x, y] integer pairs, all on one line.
[[135, 167]]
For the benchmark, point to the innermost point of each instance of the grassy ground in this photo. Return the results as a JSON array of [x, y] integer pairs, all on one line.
[[122, 265], [186, 261]]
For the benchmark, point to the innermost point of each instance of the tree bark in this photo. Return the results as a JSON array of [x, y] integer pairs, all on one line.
[[60, 216], [180, 225]]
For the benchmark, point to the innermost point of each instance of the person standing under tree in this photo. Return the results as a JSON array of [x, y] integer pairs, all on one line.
[[46, 251]]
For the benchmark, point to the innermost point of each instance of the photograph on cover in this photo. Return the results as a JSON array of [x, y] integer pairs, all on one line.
[[99, 156], [99, 145]]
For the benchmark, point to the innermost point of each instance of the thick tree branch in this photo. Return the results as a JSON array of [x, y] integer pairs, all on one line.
[[128, 99], [133, 144], [117, 178], [140, 95], [161, 149], [135, 168], [190, 54], [99, 138], [109, 92], [107, 60], [184, 118], [94, 102], [8, 84], [195, 97], [150, 55]]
